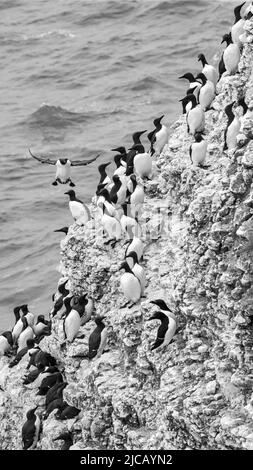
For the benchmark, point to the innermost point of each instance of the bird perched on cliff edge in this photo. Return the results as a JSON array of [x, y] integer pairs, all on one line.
[[80, 212]]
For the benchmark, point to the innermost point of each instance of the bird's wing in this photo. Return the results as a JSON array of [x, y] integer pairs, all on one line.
[[84, 162], [42, 159]]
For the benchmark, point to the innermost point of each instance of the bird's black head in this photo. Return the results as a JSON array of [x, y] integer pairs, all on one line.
[[157, 316], [104, 192], [62, 288], [201, 58], [8, 336], [188, 76], [71, 194], [227, 38], [121, 150], [228, 109], [116, 179], [161, 304], [63, 229], [133, 178], [103, 166], [138, 148], [24, 309], [198, 137], [63, 161], [136, 136], [31, 413], [237, 12], [157, 121], [124, 266], [40, 319], [30, 343]]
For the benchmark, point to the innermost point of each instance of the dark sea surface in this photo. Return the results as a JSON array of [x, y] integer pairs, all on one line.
[[78, 78]]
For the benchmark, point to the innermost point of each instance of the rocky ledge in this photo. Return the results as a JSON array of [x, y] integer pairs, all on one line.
[[197, 392]]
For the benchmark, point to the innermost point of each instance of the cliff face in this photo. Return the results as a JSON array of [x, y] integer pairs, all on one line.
[[197, 392]]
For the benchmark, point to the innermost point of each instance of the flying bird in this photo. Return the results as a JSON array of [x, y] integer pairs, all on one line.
[[63, 167]]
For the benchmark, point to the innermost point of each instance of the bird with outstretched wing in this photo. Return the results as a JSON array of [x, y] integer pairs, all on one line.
[[63, 167]]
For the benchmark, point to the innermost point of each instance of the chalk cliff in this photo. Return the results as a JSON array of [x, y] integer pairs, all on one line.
[[197, 392]]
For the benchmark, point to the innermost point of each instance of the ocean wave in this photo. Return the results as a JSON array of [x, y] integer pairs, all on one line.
[[47, 34], [111, 10], [56, 117]]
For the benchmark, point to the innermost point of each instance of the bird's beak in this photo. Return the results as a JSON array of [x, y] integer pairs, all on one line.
[[223, 40], [181, 77], [66, 192], [143, 132]]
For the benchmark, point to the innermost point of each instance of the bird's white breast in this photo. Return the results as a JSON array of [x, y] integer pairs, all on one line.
[[231, 58], [131, 286], [72, 325], [143, 164]]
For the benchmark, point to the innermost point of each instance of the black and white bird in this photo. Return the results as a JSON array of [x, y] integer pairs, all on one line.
[[80, 212], [26, 333], [6, 342], [63, 167], [160, 135], [31, 430], [130, 285], [136, 141], [41, 325], [98, 339], [208, 70], [232, 128], [142, 162], [237, 28], [67, 411], [195, 117], [118, 191], [111, 226], [165, 331], [134, 244], [129, 223], [198, 150], [206, 92], [136, 198], [194, 85], [137, 269], [104, 178], [231, 55]]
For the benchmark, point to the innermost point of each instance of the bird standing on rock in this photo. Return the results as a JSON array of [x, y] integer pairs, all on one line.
[[98, 339], [31, 430], [198, 150], [237, 28], [142, 162], [195, 118], [130, 285], [165, 331], [231, 55], [160, 135], [232, 129], [80, 212], [208, 70], [206, 92]]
